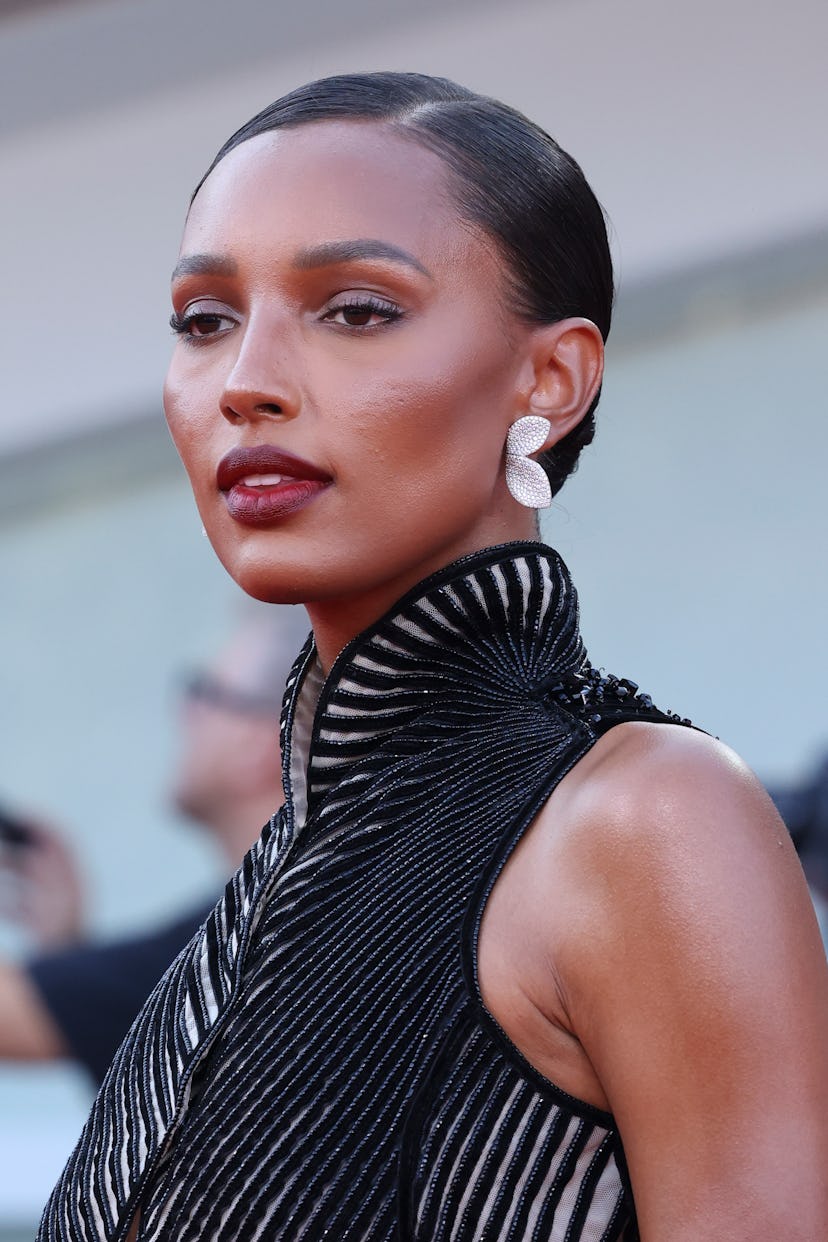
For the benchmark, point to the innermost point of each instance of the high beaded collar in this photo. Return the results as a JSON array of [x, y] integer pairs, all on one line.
[[496, 625]]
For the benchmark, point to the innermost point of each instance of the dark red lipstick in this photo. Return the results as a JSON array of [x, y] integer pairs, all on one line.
[[262, 484]]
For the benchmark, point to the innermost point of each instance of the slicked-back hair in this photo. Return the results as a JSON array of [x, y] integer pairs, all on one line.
[[508, 177]]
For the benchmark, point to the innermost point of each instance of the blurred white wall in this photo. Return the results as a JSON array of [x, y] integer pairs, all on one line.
[[695, 527]]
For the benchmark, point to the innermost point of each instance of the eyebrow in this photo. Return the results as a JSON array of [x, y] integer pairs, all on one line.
[[328, 253], [204, 265]]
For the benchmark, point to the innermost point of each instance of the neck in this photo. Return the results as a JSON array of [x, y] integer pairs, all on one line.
[[336, 622]]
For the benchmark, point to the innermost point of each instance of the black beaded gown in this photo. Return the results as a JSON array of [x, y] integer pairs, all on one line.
[[318, 1063]]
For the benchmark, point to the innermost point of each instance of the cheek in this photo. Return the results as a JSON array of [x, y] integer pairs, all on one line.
[[187, 402], [430, 417]]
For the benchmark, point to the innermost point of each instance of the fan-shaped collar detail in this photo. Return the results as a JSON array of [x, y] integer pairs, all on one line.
[[499, 623]]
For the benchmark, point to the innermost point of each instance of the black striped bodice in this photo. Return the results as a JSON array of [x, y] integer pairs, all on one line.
[[318, 1063]]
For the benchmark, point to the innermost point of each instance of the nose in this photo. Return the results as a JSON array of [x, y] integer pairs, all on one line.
[[257, 385]]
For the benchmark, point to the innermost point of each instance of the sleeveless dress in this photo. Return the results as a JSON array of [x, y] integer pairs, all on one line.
[[318, 1062]]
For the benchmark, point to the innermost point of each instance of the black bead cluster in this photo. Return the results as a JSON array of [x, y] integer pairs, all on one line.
[[598, 695]]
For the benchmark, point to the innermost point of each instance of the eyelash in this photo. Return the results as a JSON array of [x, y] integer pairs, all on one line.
[[365, 303], [181, 324]]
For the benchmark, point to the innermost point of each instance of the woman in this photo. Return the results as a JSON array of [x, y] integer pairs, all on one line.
[[522, 957]]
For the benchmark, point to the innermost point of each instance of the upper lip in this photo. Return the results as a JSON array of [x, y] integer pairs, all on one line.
[[264, 459]]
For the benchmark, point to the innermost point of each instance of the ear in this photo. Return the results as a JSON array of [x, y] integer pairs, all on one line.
[[565, 366]]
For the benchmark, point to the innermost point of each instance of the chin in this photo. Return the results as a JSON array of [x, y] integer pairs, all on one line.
[[273, 581], [273, 567], [257, 566], [273, 593]]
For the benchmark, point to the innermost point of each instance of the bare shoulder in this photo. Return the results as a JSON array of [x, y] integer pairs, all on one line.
[[655, 795], [667, 846], [685, 949], [638, 761]]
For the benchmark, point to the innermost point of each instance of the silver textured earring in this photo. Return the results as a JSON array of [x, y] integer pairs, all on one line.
[[527, 479]]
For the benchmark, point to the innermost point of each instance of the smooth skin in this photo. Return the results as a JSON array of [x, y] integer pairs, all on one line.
[[650, 946]]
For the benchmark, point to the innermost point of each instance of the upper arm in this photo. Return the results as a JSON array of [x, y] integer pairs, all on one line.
[[695, 979], [27, 1029]]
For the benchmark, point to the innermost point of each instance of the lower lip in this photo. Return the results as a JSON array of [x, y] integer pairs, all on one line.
[[260, 506]]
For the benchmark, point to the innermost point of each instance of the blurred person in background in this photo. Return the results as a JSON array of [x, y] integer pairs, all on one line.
[[804, 808], [76, 997]]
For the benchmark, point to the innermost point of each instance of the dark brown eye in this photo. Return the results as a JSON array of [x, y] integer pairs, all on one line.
[[196, 325], [363, 312], [357, 316], [204, 325]]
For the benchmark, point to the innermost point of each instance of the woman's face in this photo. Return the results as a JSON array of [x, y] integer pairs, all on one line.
[[347, 367]]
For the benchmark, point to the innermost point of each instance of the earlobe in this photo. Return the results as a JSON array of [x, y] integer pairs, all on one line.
[[568, 359]]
